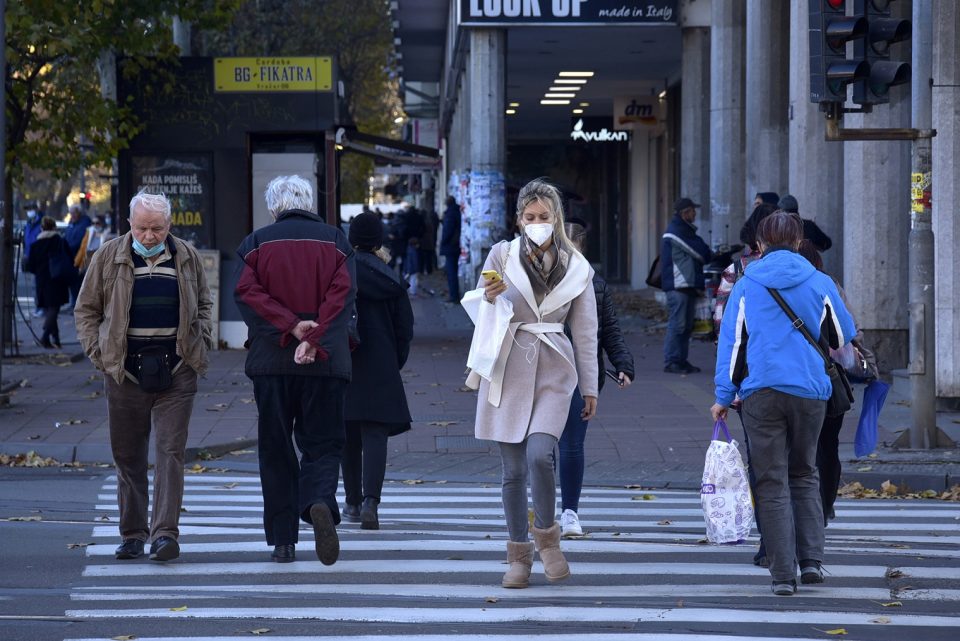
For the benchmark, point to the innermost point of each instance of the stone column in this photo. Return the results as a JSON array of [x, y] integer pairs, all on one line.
[[727, 207], [815, 167], [876, 223], [695, 116], [766, 97], [946, 192]]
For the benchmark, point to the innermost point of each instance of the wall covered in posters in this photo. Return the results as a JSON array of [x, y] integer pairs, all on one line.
[[483, 207], [187, 180]]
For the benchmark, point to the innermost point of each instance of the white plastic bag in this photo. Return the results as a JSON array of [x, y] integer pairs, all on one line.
[[725, 491], [491, 325]]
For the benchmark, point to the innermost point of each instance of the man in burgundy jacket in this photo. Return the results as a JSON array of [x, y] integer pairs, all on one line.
[[296, 294]]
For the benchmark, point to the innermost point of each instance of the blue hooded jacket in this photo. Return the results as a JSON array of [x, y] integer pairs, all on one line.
[[758, 345]]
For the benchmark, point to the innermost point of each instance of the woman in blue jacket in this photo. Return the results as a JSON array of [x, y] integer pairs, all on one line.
[[784, 386]]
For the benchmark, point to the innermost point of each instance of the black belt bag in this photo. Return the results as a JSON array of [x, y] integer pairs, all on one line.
[[153, 369]]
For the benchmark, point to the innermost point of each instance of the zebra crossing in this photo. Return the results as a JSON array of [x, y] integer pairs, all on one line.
[[642, 571]]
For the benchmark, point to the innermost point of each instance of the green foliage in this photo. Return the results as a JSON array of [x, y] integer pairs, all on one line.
[[357, 33], [53, 86]]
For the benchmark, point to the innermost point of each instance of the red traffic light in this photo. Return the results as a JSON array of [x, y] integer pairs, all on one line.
[[836, 4]]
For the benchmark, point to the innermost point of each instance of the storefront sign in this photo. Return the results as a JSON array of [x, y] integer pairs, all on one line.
[[636, 112], [187, 180], [273, 74], [486, 13], [586, 134]]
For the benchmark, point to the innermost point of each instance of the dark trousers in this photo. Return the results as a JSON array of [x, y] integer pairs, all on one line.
[[828, 462], [451, 266], [784, 431], [50, 328], [571, 454], [310, 410], [676, 344], [132, 412], [364, 460]]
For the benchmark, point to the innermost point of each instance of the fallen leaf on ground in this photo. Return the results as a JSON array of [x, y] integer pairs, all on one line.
[[442, 423], [665, 522], [217, 407], [643, 497], [888, 488], [893, 573], [123, 637], [880, 620], [465, 389], [893, 604], [438, 402], [260, 631], [240, 452], [419, 393], [434, 384], [179, 609], [24, 518], [228, 486], [247, 400], [96, 394], [835, 631], [412, 482], [74, 546], [491, 599], [865, 468], [33, 438]]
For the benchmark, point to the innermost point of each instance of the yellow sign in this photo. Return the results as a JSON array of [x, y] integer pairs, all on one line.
[[273, 74]]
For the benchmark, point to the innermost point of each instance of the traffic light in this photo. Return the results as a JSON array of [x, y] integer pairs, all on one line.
[[882, 31], [830, 68]]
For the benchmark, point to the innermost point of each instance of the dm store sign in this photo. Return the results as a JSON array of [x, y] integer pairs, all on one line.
[[485, 13]]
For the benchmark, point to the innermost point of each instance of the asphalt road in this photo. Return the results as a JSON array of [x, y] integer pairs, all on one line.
[[433, 571]]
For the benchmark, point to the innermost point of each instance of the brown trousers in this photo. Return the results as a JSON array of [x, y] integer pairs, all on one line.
[[131, 413]]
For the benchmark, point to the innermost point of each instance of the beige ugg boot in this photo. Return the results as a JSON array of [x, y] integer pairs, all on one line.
[[520, 558], [548, 544]]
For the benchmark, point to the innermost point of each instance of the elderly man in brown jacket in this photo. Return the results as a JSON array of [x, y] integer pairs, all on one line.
[[143, 319]]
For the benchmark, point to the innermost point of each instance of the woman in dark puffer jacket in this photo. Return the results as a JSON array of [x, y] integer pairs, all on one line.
[[609, 340]]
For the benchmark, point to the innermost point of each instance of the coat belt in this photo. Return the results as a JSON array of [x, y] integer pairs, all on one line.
[[496, 382]]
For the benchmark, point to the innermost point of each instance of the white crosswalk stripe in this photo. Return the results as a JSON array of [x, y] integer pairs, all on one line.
[[642, 572]]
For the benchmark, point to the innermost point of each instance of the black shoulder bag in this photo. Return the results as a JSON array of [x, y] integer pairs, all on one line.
[[841, 396]]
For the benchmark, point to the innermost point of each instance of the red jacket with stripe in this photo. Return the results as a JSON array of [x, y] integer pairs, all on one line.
[[297, 268]]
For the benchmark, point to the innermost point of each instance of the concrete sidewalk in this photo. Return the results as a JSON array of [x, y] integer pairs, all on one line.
[[654, 433]]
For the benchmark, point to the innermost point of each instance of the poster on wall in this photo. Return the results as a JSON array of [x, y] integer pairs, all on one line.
[[187, 180]]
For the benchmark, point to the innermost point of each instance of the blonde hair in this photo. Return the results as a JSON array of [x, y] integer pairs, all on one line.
[[540, 191]]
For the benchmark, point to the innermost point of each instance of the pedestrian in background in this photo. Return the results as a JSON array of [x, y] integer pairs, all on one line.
[[524, 405], [376, 404], [296, 294], [784, 387], [811, 231], [609, 341], [48, 249], [144, 319], [410, 229], [31, 230], [863, 368], [682, 257], [74, 235], [450, 248], [428, 241]]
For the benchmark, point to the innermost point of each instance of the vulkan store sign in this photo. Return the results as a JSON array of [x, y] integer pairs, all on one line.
[[486, 13]]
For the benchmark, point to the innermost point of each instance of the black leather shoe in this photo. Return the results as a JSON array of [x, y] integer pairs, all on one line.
[[164, 548], [326, 542], [675, 368], [369, 520], [129, 549], [691, 369], [284, 553], [351, 513]]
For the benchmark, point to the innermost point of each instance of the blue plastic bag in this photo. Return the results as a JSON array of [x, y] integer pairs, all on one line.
[[874, 395]]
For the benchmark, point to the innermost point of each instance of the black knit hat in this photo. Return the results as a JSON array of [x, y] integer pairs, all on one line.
[[366, 231]]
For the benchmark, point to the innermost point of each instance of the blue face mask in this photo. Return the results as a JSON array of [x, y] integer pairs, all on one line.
[[138, 247]]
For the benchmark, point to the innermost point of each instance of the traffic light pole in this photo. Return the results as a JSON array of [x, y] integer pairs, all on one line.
[[836, 132]]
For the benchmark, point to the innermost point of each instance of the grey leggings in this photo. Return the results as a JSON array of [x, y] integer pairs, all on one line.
[[535, 454]]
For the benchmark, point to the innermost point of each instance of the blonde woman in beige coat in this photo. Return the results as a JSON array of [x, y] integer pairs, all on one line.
[[524, 400]]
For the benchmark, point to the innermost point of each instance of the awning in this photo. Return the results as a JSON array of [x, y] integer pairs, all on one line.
[[388, 149]]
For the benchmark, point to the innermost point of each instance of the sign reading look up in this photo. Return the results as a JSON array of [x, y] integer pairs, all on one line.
[[485, 13], [273, 74]]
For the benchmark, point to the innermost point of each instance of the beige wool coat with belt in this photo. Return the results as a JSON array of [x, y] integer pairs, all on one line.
[[539, 366]]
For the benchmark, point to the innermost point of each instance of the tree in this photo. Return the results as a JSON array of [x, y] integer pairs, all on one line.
[[357, 33], [53, 96]]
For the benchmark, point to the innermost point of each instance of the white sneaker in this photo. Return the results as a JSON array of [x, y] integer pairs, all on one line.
[[570, 524]]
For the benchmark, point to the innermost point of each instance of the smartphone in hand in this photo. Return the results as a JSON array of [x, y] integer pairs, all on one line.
[[613, 375], [491, 274]]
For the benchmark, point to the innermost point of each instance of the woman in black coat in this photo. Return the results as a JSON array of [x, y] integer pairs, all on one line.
[[51, 292], [376, 404]]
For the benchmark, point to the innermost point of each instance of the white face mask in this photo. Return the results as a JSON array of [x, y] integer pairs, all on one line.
[[538, 233]]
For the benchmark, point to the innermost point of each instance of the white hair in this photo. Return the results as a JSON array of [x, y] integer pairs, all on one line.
[[289, 192], [151, 202]]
